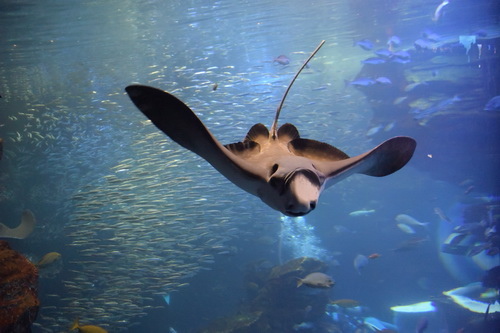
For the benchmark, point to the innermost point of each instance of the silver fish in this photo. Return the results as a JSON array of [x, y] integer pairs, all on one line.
[[316, 280]]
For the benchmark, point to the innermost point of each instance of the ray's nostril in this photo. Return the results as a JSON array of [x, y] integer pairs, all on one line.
[[312, 204]]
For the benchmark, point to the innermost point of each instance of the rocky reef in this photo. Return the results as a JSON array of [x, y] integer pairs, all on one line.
[[274, 303], [19, 301]]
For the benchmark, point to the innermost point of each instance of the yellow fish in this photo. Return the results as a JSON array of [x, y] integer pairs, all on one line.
[[48, 259], [87, 328], [345, 303]]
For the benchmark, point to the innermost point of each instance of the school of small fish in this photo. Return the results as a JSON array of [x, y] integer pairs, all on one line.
[[133, 242], [128, 206]]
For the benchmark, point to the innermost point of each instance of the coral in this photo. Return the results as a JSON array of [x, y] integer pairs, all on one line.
[[19, 301]]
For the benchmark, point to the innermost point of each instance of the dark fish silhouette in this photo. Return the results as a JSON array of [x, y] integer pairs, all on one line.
[[365, 44], [492, 278], [493, 104], [282, 60], [373, 61]]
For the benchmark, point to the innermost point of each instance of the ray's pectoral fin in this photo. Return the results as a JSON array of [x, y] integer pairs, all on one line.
[[386, 158], [178, 121], [172, 117], [316, 150]]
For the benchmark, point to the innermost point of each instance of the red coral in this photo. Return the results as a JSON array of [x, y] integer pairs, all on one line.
[[19, 301]]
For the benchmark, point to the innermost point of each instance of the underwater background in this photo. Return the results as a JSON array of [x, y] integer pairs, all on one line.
[[153, 239]]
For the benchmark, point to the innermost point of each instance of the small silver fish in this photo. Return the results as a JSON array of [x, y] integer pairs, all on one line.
[[439, 212], [374, 130], [407, 219], [439, 10], [362, 212], [493, 104], [316, 280], [282, 60], [406, 228], [307, 325]]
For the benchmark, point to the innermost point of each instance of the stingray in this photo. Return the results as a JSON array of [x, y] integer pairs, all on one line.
[[285, 171], [23, 230]]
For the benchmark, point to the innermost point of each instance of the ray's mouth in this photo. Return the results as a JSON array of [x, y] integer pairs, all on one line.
[[295, 214]]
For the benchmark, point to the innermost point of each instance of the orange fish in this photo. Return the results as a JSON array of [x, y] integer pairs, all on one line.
[[374, 256], [86, 328]]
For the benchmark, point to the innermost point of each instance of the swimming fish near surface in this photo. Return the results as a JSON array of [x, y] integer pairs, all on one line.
[[282, 60], [285, 171]]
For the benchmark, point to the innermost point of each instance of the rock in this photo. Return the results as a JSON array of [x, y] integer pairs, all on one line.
[[19, 301]]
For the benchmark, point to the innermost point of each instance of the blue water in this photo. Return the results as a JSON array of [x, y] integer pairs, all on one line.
[[136, 217]]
